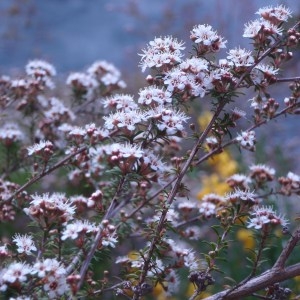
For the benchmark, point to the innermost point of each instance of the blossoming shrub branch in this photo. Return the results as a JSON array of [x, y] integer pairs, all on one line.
[[113, 215]]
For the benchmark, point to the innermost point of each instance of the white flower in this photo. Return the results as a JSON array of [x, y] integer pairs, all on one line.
[[194, 65], [247, 140], [276, 14], [153, 94], [97, 133], [42, 207], [131, 150], [207, 209], [254, 28], [163, 51], [262, 172], [239, 57], [77, 131], [205, 35], [20, 298], [65, 127], [16, 272], [267, 69], [212, 142], [19, 84], [122, 259], [238, 113], [10, 132], [53, 274], [40, 67], [213, 198], [175, 79], [246, 196], [191, 75], [56, 286], [294, 177], [106, 73], [58, 111], [120, 102], [4, 251], [41, 71], [82, 83], [153, 167], [265, 215], [190, 260], [173, 282], [80, 201], [167, 119], [263, 74], [198, 85], [187, 206], [24, 243], [165, 44], [109, 241], [41, 268], [119, 150], [39, 147], [239, 180], [124, 119], [73, 230], [172, 216], [193, 232], [258, 222]]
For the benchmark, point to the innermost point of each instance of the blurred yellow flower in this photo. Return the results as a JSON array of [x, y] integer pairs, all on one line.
[[191, 290], [246, 237], [213, 184], [159, 293], [204, 119], [133, 255], [223, 164]]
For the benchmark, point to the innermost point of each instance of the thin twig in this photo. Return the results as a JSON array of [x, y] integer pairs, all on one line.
[[286, 252], [108, 215], [46, 172], [276, 274], [287, 79], [258, 283], [172, 195]]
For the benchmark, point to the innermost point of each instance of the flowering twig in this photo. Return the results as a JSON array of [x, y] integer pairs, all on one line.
[[107, 216], [46, 172], [172, 195], [232, 141]]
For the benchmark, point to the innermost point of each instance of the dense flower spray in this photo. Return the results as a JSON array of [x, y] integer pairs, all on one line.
[[118, 215]]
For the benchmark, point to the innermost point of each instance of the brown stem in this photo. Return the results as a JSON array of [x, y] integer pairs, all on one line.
[[258, 283], [276, 274], [287, 79], [279, 264], [107, 216], [262, 244], [46, 172], [172, 195]]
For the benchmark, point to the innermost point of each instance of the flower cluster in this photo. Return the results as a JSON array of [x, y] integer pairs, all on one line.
[[48, 209], [100, 75], [162, 53], [268, 25], [106, 170], [207, 39], [262, 216]]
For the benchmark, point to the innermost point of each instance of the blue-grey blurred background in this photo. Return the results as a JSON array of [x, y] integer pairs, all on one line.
[[72, 34]]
